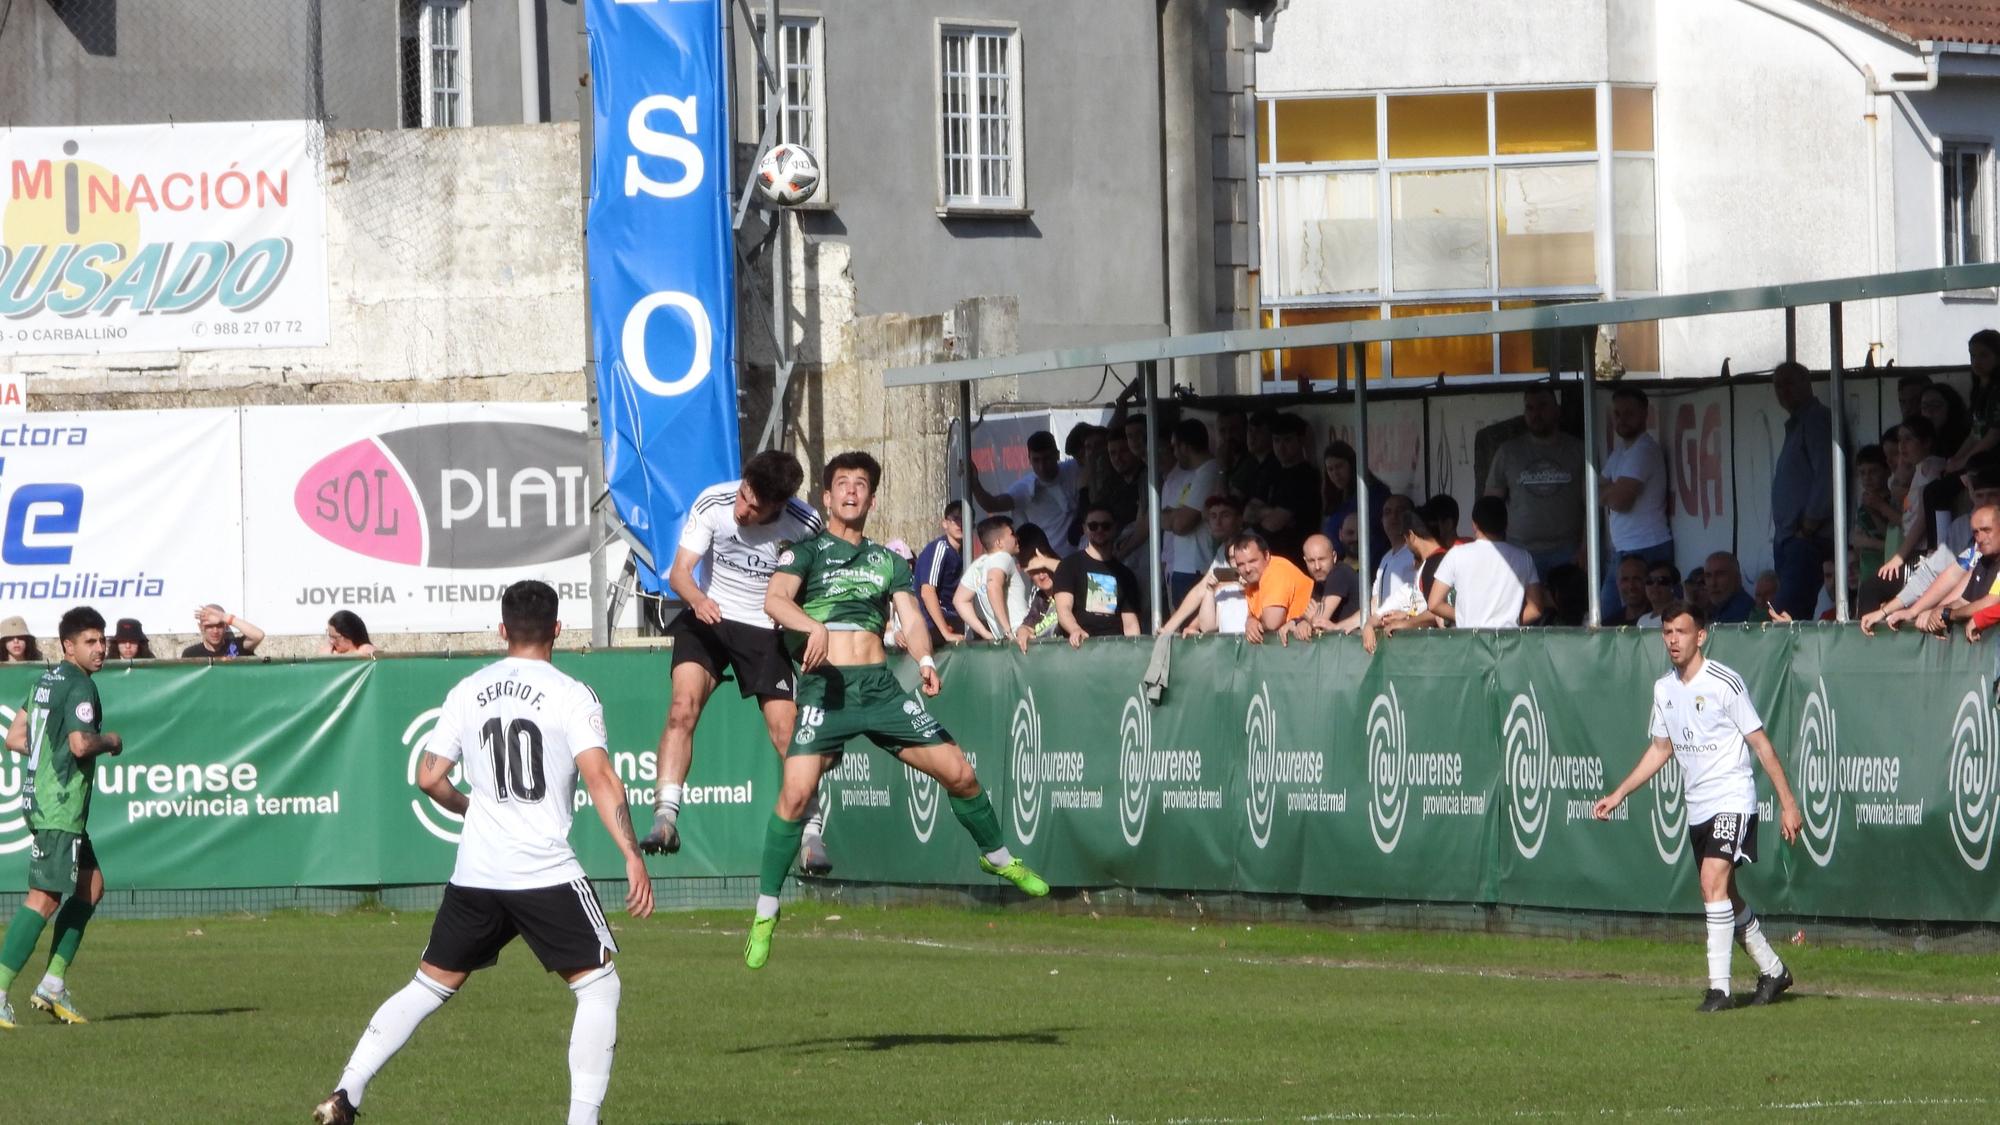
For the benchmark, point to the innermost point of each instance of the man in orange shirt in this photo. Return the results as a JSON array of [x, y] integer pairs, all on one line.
[[1277, 590]]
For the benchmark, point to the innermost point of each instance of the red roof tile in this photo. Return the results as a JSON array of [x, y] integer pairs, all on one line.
[[1942, 21]]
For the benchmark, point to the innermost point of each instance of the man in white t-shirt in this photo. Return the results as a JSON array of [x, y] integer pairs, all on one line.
[[1195, 477], [1216, 603], [1633, 491], [736, 530], [1045, 496], [1703, 718], [523, 732], [1396, 589], [992, 597], [1488, 583]]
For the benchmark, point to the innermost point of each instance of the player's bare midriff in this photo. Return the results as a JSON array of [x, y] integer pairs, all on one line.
[[848, 649]]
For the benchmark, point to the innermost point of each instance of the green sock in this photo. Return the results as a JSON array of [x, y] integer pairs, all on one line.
[[781, 846], [976, 813], [22, 934], [70, 921]]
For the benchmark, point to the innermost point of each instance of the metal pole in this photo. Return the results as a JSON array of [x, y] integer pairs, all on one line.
[[969, 515], [1149, 374], [781, 245], [1593, 559], [1362, 524], [600, 595], [1835, 376], [1791, 335]]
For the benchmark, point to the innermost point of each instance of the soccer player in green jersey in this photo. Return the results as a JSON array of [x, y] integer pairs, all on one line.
[[832, 595], [61, 728]]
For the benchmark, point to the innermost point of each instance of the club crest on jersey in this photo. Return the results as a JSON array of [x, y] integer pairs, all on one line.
[[786, 558], [85, 712], [1700, 702]]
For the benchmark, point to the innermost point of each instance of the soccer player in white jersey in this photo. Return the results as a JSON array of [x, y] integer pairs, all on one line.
[[738, 528], [524, 732], [1703, 716]]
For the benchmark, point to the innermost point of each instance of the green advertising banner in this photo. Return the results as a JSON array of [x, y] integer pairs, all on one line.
[[1445, 767]]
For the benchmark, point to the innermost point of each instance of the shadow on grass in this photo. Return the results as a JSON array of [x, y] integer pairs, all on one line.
[[890, 1041], [172, 1015]]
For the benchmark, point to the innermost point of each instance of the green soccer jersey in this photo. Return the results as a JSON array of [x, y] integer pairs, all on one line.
[[846, 585], [59, 784]]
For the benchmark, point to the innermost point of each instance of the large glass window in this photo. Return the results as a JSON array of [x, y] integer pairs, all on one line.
[[979, 117], [1387, 205], [800, 64], [1968, 204], [433, 64]]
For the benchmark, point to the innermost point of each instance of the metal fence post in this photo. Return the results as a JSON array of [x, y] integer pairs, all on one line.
[[1835, 377]]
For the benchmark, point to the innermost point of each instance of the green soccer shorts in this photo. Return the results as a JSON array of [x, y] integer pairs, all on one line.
[[838, 703], [57, 860]]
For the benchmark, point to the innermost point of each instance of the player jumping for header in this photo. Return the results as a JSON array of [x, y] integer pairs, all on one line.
[[834, 591], [524, 732], [737, 528], [1702, 715]]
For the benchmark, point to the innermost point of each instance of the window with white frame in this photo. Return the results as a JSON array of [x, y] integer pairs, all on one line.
[[1968, 203], [801, 65], [1388, 205], [434, 56], [979, 118]]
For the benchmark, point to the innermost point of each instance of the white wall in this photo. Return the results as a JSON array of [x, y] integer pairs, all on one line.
[[1764, 143]]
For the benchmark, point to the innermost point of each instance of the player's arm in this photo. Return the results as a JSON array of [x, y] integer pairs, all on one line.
[[918, 643], [434, 778], [782, 605], [608, 794], [680, 579], [17, 732], [1656, 756], [1789, 818]]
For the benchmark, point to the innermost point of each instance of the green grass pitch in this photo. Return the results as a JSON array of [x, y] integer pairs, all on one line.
[[1009, 1016]]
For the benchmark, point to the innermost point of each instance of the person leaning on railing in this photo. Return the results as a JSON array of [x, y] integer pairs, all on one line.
[[223, 635]]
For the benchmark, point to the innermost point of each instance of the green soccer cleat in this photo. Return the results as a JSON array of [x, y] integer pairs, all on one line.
[[61, 1004], [757, 949], [6, 1014], [1018, 874]]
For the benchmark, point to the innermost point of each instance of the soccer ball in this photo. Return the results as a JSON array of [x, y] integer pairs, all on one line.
[[788, 175]]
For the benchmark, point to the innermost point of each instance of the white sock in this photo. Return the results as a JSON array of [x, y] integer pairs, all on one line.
[[592, 1041], [1000, 857], [668, 807], [393, 1024], [1750, 935], [1721, 923], [767, 906], [50, 983], [816, 814]]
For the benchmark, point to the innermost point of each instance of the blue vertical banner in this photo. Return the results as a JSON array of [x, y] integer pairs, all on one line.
[[662, 286]]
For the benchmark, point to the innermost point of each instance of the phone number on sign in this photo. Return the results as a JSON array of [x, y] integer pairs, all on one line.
[[248, 327]]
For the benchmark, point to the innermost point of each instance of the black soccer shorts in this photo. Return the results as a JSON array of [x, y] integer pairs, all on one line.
[[563, 924], [757, 655], [1730, 836]]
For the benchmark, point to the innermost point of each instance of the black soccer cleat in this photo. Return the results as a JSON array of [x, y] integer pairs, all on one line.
[[1770, 988], [1715, 1000], [813, 858], [335, 1110], [664, 839]]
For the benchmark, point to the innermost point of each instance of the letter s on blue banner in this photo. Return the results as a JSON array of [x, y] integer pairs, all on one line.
[[662, 290]]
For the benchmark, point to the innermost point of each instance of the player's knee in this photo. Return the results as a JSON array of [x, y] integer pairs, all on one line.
[[960, 781], [792, 803], [682, 715], [598, 986]]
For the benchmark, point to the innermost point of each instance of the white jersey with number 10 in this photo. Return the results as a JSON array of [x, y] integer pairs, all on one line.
[[517, 727]]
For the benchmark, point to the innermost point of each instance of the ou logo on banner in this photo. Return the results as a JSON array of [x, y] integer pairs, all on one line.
[[1975, 762], [435, 818], [1025, 746], [14, 834], [700, 326], [1388, 754], [1819, 776], [1669, 813], [1135, 784], [1260, 737], [1525, 734], [923, 803]]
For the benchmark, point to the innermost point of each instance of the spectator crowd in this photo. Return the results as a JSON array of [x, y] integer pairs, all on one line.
[[1261, 537]]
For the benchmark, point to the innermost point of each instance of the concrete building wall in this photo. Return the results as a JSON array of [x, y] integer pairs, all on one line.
[[1414, 44], [1085, 265], [1964, 107]]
